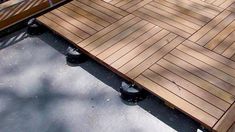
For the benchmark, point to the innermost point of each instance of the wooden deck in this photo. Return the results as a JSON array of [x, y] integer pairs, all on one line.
[[14, 11], [180, 50]]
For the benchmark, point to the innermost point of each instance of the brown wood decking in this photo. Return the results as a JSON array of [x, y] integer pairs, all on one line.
[[14, 11], [180, 50]]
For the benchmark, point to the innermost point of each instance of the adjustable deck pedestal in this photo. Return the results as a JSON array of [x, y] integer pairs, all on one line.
[[130, 93]]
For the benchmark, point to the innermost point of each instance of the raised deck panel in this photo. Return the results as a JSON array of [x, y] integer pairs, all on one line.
[[162, 46]]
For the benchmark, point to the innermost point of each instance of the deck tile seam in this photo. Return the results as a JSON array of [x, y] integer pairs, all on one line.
[[128, 28], [132, 37], [112, 26], [116, 28], [172, 5], [112, 6], [181, 97], [203, 90], [101, 15], [208, 50], [161, 39], [134, 13], [166, 22], [210, 64], [117, 7], [190, 80], [129, 44], [218, 34], [156, 60], [188, 90], [146, 49], [151, 3], [212, 29], [102, 10], [196, 41], [211, 15], [204, 71], [204, 6], [224, 114], [132, 41], [227, 37], [171, 18]]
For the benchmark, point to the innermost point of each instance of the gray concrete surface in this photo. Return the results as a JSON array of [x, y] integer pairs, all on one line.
[[39, 92]]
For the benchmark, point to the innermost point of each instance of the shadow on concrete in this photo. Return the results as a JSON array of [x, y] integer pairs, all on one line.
[[172, 117]]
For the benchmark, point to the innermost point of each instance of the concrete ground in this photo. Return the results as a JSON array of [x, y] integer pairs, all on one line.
[[39, 92]]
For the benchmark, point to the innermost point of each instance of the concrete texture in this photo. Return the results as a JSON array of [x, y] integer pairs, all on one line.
[[39, 92]]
